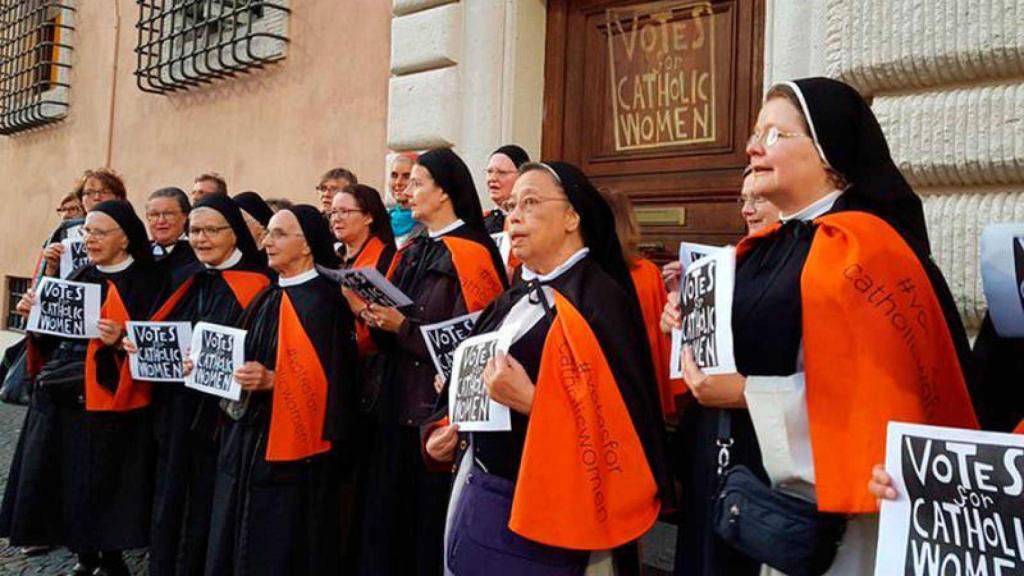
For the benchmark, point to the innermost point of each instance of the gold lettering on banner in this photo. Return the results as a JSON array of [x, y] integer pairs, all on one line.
[[662, 59]]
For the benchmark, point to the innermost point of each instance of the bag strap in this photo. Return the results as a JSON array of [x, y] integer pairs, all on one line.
[[724, 440]]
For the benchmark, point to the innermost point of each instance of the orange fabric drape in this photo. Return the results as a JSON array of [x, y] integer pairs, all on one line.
[[130, 394], [299, 395], [584, 480], [480, 282], [650, 290], [368, 257]]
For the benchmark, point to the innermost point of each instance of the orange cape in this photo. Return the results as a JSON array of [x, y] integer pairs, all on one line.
[[479, 280], [300, 392], [368, 257], [584, 480], [244, 285], [876, 349], [650, 289], [1020, 428], [130, 394]]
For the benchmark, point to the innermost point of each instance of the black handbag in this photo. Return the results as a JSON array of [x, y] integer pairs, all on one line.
[[65, 371], [15, 383], [783, 531]]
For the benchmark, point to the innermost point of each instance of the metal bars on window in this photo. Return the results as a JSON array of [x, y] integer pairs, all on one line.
[[35, 62], [16, 288], [187, 43]]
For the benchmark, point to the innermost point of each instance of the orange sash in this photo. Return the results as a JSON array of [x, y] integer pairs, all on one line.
[[130, 394], [480, 282], [244, 285], [584, 481], [368, 258], [300, 393], [1020, 428], [876, 349], [650, 289]]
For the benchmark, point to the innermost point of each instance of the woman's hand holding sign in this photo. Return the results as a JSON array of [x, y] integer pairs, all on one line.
[[51, 255], [25, 304], [719, 391], [442, 441], [508, 384], [880, 484], [110, 331], [253, 376], [671, 315], [384, 318]]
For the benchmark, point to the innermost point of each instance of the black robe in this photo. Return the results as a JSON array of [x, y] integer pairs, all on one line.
[[83, 478], [185, 425], [405, 533], [282, 517], [494, 221], [621, 338], [179, 264], [999, 362]]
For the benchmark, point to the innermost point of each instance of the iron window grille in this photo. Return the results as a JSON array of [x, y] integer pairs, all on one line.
[[16, 288], [186, 43], [35, 62]]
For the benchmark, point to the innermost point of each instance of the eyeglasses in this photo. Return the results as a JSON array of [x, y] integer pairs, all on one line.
[[70, 210], [154, 216], [498, 173], [96, 193], [331, 189], [208, 231], [529, 203], [771, 136], [98, 233], [277, 235], [343, 212]]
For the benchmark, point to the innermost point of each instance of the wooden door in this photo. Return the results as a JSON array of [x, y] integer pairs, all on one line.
[[658, 98]]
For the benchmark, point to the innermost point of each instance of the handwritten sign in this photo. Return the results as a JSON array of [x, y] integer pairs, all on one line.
[[369, 284], [65, 308], [161, 350], [216, 352], [73, 257], [1002, 274], [705, 300], [959, 509], [469, 405], [444, 337], [662, 59]]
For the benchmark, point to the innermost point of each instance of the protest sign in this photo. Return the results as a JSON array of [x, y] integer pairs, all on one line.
[[705, 300], [444, 337], [73, 257], [65, 308], [161, 348], [501, 240], [368, 284], [216, 352], [1002, 274], [959, 509], [469, 405]]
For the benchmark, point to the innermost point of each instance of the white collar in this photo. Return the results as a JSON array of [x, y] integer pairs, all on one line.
[[298, 278], [115, 268], [449, 228], [559, 270], [235, 258], [815, 209]]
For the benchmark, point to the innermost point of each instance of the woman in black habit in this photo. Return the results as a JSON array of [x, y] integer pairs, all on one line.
[[275, 507], [581, 475], [453, 270], [82, 473], [167, 212], [841, 323], [232, 271]]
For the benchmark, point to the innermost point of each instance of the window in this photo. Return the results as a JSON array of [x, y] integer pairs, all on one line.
[[187, 43], [35, 62], [16, 288]]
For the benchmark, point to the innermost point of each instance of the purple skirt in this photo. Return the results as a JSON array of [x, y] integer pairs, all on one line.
[[480, 543]]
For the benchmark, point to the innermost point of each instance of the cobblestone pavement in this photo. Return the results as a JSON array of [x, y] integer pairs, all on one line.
[[12, 561]]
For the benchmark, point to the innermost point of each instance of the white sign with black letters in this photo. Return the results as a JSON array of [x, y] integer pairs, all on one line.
[[161, 350], [444, 337], [65, 308], [469, 404], [73, 257], [959, 508], [369, 284], [216, 352], [705, 300]]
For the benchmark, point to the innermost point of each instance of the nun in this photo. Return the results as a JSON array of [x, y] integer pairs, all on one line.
[[848, 268], [502, 169], [82, 474], [275, 504], [453, 270], [256, 212], [581, 475], [186, 422], [167, 212]]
